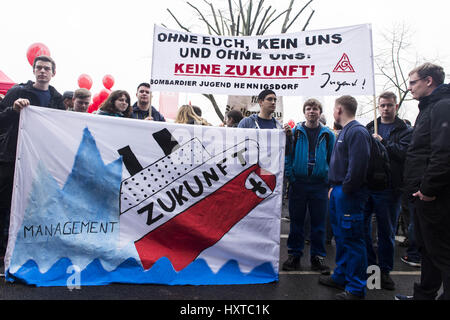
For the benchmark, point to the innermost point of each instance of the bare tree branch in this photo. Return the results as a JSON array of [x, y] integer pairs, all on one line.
[[309, 19], [275, 19], [202, 17], [258, 11], [260, 28], [233, 26], [178, 22], [286, 19], [298, 14], [214, 16]]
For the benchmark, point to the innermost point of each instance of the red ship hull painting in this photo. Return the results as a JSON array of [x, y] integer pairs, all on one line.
[[188, 200]]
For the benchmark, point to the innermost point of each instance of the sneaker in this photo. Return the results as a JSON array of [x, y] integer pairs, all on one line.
[[411, 262], [348, 296], [292, 263], [318, 264], [403, 297], [386, 281], [329, 282]]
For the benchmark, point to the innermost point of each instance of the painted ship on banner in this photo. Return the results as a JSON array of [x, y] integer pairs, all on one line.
[[188, 200]]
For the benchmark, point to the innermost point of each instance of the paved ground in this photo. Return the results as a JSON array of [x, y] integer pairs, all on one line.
[[298, 285]]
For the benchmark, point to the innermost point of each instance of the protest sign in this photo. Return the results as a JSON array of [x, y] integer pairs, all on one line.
[[132, 201], [322, 62]]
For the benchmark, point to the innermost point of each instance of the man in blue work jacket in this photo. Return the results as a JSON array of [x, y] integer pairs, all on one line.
[[306, 168], [347, 176]]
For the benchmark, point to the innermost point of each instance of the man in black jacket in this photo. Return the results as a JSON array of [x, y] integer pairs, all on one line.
[[395, 135], [427, 179], [38, 93], [143, 109]]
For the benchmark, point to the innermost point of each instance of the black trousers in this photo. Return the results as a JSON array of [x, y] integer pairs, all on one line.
[[6, 187], [432, 231]]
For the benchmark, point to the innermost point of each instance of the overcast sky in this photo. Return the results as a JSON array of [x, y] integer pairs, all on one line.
[[100, 37]]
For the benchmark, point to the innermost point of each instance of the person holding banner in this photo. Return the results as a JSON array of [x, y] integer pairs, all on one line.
[[267, 100], [347, 176], [141, 109], [307, 171], [394, 134], [38, 93], [117, 104], [427, 180]]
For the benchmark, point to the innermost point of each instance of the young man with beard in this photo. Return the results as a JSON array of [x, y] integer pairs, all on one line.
[[142, 108]]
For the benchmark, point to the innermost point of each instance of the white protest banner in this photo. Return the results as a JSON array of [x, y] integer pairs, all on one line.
[[322, 62], [131, 201]]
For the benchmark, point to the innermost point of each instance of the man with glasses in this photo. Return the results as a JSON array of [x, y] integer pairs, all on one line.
[[395, 135], [427, 180], [38, 93]]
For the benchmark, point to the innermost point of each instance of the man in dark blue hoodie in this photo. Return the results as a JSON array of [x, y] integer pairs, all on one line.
[[37, 93], [347, 176], [141, 109]]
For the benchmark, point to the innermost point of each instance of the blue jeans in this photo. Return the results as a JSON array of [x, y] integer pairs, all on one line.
[[312, 197], [347, 221], [386, 207]]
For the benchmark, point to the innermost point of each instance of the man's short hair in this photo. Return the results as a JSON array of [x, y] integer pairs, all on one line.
[[46, 59], [143, 84], [263, 94], [388, 95], [312, 103], [348, 103], [68, 95], [236, 115], [81, 93], [430, 70]]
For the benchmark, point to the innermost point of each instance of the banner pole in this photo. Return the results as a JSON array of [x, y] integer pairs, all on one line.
[[375, 123], [373, 83]]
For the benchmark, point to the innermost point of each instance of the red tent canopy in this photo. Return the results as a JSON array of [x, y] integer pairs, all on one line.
[[5, 83]]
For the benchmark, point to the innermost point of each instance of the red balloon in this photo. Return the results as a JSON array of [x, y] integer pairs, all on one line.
[[104, 94], [90, 108], [108, 81], [291, 123], [35, 50], [85, 81], [96, 99]]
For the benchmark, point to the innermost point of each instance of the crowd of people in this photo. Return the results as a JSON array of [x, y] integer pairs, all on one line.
[[326, 171]]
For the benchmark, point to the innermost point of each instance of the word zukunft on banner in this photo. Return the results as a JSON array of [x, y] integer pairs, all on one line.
[[124, 200], [322, 62]]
